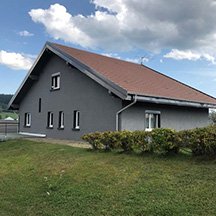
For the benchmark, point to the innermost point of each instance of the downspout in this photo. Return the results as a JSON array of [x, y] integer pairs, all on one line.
[[121, 110]]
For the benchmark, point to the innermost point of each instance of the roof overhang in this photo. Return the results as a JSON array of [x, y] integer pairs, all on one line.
[[29, 78], [168, 101]]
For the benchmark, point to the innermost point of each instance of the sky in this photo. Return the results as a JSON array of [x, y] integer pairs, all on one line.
[[176, 38]]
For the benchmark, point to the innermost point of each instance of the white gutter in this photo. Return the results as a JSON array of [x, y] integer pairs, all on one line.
[[174, 102], [121, 110]]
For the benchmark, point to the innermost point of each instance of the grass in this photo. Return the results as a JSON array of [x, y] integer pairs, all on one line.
[[48, 179], [4, 115]]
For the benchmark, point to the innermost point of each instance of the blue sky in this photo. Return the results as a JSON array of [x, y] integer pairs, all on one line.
[[177, 38]]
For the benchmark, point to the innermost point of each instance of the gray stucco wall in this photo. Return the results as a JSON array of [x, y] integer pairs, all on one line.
[[77, 92], [175, 117]]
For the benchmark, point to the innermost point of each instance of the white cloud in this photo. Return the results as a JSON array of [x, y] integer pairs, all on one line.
[[189, 55], [134, 60], [61, 25], [209, 58], [186, 27], [113, 55], [25, 33], [131, 24], [16, 61], [182, 55]]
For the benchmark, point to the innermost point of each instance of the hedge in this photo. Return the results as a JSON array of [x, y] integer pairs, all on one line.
[[159, 140], [165, 140], [201, 141]]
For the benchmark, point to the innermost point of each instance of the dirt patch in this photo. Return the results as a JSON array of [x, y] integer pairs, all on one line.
[[72, 143]]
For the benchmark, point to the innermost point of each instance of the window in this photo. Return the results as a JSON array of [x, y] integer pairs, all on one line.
[[39, 105], [61, 120], [76, 122], [152, 119], [55, 83], [27, 119], [50, 120]]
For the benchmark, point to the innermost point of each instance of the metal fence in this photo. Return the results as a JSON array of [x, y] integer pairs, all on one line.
[[8, 128]]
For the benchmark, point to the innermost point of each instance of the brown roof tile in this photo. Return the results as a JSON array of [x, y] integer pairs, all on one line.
[[137, 79]]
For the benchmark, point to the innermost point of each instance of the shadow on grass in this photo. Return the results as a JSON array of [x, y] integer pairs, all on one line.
[[185, 154]]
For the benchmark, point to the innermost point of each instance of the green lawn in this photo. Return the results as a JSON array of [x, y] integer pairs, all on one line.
[[4, 115], [48, 179]]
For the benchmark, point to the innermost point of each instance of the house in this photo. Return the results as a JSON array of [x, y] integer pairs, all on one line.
[[9, 119], [70, 92]]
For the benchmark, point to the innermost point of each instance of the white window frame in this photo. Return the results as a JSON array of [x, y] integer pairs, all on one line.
[[61, 119], [76, 119], [50, 120], [55, 81], [28, 119], [151, 113]]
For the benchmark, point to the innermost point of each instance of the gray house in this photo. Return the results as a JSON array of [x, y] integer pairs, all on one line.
[[70, 92]]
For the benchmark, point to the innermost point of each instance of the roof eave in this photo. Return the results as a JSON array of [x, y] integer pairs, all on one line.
[[170, 101], [11, 104]]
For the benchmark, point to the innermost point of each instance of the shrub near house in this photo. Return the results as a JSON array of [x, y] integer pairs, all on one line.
[[212, 117], [159, 140], [201, 141]]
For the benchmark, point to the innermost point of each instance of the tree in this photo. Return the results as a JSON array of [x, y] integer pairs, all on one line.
[[212, 117]]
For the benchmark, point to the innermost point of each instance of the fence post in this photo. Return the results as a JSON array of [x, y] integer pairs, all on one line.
[[5, 129]]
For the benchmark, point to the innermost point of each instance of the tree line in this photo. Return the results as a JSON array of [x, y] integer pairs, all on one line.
[[4, 100]]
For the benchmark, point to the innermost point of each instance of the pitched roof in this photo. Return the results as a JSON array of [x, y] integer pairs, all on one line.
[[138, 79], [125, 79]]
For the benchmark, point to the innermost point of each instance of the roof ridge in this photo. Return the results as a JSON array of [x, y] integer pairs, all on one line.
[[94, 53]]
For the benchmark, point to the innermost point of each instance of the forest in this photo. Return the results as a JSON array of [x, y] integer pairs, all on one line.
[[4, 100]]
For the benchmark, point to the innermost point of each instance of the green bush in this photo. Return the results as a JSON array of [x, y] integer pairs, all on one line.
[[95, 139], [184, 138], [164, 140], [141, 141], [126, 141], [203, 141], [111, 140], [212, 117], [104, 140]]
